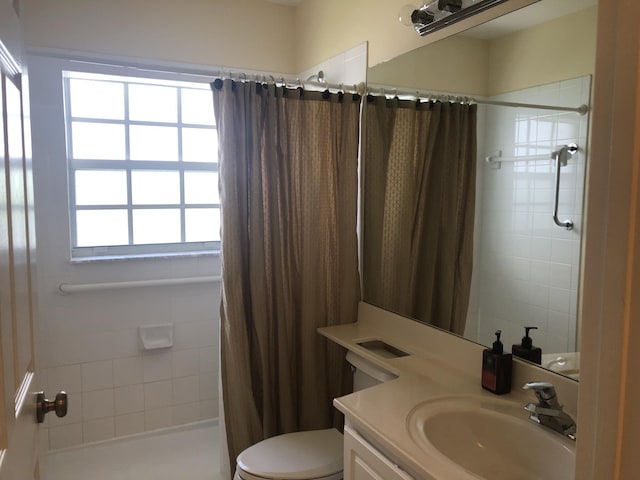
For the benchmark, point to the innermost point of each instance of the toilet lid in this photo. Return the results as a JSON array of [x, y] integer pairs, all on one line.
[[298, 455]]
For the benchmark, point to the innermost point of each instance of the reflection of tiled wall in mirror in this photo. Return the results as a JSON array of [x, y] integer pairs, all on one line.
[[527, 268]]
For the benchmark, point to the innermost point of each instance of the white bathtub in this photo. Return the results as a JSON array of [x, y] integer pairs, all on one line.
[[188, 452]]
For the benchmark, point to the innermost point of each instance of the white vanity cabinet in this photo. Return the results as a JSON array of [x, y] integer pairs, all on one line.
[[362, 461]]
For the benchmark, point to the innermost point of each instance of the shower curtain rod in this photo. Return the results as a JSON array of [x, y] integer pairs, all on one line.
[[375, 89], [359, 88]]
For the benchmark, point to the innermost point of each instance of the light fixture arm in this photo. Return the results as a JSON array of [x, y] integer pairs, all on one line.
[[437, 14]]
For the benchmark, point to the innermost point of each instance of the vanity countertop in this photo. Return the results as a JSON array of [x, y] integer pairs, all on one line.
[[438, 365]]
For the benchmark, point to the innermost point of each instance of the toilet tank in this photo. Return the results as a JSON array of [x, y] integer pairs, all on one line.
[[367, 374]]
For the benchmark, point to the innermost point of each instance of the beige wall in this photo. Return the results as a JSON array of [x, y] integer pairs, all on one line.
[[456, 64], [324, 28], [250, 34], [557, 50], [290, 40]]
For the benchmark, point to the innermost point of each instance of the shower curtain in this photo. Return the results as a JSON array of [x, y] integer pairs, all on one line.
[[419, 196], [288, 184]]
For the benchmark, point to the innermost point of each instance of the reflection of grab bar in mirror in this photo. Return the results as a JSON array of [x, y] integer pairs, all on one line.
[[496, 158], [562, 156]]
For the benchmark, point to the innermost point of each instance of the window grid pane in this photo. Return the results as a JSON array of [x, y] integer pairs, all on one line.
[[101, 187], [155, 188], [141, 149], [100, 228]]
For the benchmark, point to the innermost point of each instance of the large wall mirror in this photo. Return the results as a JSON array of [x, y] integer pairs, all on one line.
[[480, 251]]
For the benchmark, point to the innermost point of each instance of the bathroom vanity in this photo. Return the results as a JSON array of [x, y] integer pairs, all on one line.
[[434, 421]]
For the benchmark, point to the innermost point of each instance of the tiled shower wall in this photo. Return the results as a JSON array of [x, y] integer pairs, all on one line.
[[91, 350], [88, 342], [527, 268]]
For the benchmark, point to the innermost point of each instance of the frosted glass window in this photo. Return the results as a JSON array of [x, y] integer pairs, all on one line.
[[199, 145], [101, 227], [153, 143], [202, 224], [142, 164], [197, 106], [156, 226], [101, 187], [155, 188], [96, 99], [546, 130], [522, 131], [201, 187], [97, 141], [153, 103], [568, 128]]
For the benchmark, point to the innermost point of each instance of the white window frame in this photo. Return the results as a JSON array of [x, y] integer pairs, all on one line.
[[80, 253]]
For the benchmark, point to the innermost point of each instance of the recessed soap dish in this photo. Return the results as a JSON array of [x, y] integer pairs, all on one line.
[[153, 337], [383, 349]]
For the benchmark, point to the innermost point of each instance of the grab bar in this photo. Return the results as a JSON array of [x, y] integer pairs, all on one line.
[[89, 287], [496, 158], [562, 156]]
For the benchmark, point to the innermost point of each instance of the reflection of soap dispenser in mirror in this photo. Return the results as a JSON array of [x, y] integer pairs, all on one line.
[[496, 368], [526, 349]]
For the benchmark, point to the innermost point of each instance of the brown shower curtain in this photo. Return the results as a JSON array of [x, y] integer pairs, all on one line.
[[288, 185], [420, 164]]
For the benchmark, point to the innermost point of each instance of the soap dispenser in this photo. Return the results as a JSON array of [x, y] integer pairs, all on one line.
[[496, 368], [526, 349]]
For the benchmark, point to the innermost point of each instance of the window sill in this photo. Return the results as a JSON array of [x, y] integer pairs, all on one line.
[[145, 256]]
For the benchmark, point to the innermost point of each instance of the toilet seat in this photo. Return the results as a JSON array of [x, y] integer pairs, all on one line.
[[315, 454]]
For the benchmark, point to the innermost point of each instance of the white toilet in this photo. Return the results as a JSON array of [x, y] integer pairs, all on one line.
[[316, 454]]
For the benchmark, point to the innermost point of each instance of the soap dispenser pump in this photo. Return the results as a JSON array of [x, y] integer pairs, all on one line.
[[526, 349], [496, 368]]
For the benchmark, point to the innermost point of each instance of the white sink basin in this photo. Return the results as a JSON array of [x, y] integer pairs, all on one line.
[[491, 439]]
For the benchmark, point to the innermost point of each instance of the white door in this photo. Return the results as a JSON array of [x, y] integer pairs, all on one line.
[[18, 427]]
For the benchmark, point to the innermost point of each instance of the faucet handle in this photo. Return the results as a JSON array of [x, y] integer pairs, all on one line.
[[544, 391]]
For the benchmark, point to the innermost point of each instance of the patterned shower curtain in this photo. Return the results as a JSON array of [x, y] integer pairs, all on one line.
[[419, 197], [288, 185]]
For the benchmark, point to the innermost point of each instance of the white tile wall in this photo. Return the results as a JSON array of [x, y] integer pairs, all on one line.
[[129, 399], [129, 424], [155, 418], [89, 348], [114, 397], [348, 67], [127, 371], [100, 429], [527, 267]]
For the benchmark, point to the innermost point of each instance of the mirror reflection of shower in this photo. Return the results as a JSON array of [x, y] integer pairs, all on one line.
[[527, 266]]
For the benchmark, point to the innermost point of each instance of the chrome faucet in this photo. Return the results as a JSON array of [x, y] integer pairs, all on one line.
[[548, 411]]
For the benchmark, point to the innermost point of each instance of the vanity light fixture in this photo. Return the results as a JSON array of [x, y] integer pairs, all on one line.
[[437, 14]]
